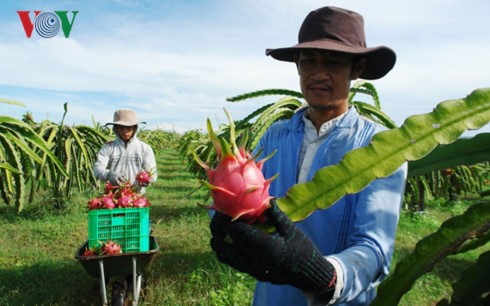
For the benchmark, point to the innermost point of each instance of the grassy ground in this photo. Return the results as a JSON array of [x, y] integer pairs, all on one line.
[[37, 248]]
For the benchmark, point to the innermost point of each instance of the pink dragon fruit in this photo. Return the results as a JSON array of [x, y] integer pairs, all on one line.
[[94, 203], [109, 188], [103, 248], [111, 248], [237, 185], [125, 201], [107, 201], [140, 201], [124, 196], [89, 252], [144, 178]]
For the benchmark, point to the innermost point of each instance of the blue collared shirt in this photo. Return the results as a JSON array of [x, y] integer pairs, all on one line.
[[358, 231]]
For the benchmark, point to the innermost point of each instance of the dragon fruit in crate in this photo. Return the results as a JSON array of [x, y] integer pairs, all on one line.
[[237, 185], [107, 201], [124, 196]]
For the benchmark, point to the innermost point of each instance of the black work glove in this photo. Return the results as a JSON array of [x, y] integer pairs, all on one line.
[[287, 257], [115, 178]]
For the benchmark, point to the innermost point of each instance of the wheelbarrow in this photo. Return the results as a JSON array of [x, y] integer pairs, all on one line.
[[104, 267]]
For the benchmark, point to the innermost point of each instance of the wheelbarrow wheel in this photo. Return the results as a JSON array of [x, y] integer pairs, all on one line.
[[119, 293]]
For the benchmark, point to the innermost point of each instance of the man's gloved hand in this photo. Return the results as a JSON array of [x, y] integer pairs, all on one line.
[[287, 257], [115, 178]]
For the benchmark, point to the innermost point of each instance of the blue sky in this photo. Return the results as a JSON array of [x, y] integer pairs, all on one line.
[[176, 62]]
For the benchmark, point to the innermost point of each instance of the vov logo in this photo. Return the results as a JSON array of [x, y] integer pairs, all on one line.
[[47, 24]]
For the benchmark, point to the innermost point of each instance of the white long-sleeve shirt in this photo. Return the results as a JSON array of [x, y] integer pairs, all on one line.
[[126, 159]]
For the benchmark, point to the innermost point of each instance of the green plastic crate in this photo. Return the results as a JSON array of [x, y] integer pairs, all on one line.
[[129, 227]]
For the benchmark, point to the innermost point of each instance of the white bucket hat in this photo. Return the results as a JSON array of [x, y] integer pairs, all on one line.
[[125, 117]]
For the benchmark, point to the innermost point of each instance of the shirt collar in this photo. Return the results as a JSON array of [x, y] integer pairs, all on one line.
[[324, 129]]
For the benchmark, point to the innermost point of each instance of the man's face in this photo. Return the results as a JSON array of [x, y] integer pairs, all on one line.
[[325, 78], [125, 132]]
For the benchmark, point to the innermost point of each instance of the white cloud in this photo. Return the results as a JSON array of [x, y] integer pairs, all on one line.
[[177, 63]]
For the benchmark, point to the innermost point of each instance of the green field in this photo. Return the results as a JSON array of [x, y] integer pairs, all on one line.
[[37, 249]]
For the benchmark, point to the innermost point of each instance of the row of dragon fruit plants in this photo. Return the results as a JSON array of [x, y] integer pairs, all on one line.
[[39, 156], [59, 157]]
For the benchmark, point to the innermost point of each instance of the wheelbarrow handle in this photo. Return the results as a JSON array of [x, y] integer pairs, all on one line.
[[136, 282], [102, 282]]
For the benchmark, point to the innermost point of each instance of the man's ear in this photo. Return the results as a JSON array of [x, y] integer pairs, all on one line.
[[358, 68]]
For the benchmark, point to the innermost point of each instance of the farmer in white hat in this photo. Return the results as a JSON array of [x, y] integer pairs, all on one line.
[[121, 160], [340, 254]]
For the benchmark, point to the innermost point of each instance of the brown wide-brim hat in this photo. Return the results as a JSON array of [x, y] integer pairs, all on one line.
[[125, 117], [335, 29]]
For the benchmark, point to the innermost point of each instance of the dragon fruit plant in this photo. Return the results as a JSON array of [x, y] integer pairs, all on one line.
[[237, 185]]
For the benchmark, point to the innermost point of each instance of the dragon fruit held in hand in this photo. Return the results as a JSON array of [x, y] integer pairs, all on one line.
[[237, 185], [144, 178]]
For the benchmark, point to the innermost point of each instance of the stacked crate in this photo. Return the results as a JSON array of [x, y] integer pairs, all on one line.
[[129, 227]]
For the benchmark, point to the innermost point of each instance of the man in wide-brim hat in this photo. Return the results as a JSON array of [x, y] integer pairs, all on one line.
[[340, 30], [338, 255]]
